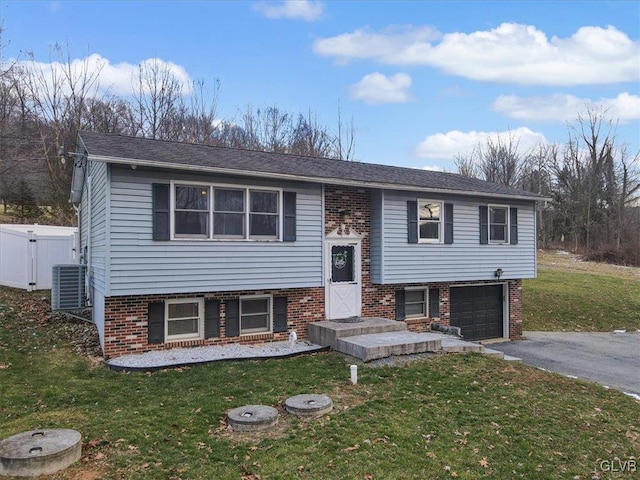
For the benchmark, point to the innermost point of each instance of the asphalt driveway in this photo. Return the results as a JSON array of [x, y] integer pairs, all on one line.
[[610, 359]]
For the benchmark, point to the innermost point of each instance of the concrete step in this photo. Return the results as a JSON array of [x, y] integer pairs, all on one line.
[[326, 333], [455, 345], [509, 358], [380, 345], [493, 353]]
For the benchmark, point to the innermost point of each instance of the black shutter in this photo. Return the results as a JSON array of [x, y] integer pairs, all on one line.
[[232, 322], [160, 206], [434, 302], [211, 318], [279, 314], [289, 200], [412, 221], [484, 224], [400, 314], [155, 322], [513, 234], [448, 223]]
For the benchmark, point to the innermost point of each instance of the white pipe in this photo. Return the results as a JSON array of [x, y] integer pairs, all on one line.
[[354, 374]]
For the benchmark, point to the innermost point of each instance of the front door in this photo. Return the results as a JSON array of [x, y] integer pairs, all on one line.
[[343, 289]]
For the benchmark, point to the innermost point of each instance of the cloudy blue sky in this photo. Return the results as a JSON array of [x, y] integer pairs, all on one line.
[[423, 80]]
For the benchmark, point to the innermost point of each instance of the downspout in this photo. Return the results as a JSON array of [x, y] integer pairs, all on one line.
[[78, 240], [89, 277]]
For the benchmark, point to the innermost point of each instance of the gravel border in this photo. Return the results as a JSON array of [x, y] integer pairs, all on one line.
[[179, 357]]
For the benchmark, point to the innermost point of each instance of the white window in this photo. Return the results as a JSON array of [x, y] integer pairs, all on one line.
[[228, 213], [202, 211], [416, 302], [429, 221], [498, 224], [184, 319], [264, 217], [255, 315], [191, 213]]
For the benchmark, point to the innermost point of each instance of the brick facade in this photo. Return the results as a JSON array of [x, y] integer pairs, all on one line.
[[126, 316]]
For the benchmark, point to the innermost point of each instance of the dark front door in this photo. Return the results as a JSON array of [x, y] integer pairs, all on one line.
[[477, 311]]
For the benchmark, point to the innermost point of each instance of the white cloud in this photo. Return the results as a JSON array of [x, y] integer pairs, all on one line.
[[433, 168], [566, 108], [114, 78], [394, 46], [509, 53], [376, 88], [445, 146], [308, 10]]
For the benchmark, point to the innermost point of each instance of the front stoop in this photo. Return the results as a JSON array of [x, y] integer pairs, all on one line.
[[374, 338], [381, 345], [326, 333]]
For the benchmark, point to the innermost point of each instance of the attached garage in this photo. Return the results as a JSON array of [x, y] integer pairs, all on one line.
[[478, 311]]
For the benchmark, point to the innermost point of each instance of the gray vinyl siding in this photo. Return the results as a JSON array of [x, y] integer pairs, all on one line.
[[98, 228], [99, 225], [465, 259], [140, 265], [376, 247]]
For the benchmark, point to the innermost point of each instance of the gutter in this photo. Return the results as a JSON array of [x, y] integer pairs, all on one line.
[[310, 179]]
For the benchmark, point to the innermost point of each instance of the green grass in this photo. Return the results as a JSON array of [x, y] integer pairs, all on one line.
[[453, 416], [587, 302]]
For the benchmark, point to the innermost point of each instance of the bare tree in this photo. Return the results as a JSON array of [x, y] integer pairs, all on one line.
[[158, 101], [596, 182], [345, 139], [497, 160], [59, 98]]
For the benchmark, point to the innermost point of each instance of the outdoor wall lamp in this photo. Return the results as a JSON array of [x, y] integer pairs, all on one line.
[[498, 273], [344, 215]]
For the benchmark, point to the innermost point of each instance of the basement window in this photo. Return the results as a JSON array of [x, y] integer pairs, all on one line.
[[184, 319], [415, 303], [255, 315]]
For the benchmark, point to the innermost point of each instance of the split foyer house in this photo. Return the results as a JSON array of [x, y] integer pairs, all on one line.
[[188, 245]]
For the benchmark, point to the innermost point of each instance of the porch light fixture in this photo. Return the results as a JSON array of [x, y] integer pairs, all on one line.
[[344, 215], [498, 273]]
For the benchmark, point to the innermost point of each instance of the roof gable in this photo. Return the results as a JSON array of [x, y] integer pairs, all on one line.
[[114, 148]]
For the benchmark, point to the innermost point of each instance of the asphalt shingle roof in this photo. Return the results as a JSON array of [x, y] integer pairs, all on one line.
[[175, 155]]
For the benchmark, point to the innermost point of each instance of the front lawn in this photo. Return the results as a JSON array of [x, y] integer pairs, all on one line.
[[449, 416]]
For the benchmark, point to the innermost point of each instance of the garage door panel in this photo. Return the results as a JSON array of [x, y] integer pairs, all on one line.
[[477, 311]]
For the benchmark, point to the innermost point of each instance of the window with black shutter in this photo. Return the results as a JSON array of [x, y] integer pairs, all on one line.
[[160, 208], [155, 322]]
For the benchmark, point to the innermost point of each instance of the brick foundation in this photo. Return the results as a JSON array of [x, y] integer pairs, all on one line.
[[126, 317]]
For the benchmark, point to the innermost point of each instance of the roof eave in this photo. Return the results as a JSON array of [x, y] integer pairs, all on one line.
[[304, 178]]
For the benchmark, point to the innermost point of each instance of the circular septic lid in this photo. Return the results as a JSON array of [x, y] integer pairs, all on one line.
[[252, 417], [308, 405], [39, 452]]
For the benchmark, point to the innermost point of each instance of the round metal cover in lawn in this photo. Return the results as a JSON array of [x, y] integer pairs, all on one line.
[[308, 405], [39, 452], [251, 418]]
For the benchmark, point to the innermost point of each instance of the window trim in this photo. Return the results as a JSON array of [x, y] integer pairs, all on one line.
[[425, 302], [507, 225], [440, 222], [185, 336], [270, 312], [246, 214]]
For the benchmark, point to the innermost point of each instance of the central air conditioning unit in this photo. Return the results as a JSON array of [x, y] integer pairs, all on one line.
[[68, 287]]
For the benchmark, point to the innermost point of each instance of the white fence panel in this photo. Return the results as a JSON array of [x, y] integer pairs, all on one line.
[[28, 254], [14, 251]]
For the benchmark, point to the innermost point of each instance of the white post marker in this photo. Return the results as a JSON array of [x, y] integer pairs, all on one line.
[[354, 374]]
